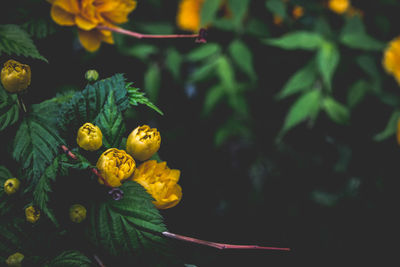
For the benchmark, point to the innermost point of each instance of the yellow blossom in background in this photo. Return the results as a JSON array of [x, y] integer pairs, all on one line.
[[298, 12], [115, 166], [188, 17], [143, 142], [15, 260], [77, 213], [88, 14], [11, 186], [277, 20], [15, 76], [89, 137], [339, 6], [160, 182], [32, 214], [391, 59]]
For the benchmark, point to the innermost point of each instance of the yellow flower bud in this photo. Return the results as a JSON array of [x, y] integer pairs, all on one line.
[[143, 142], [115, 166], [92, 75], [32, 214], [160, 182], [89, 137], [339, 6], [15, 76], [77, 213], [11, 186], [15, 260]]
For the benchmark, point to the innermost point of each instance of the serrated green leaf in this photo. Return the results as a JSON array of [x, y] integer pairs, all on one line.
[[39, 27], [243, 57], [209, 11], [5, 206], [86, 105], [203, 52], [15, 41], [111, 123], [4, 174], [70, 258], [301, 80], [277, 7], [336, 111], [357, 92], [390, 129], [327, 60], [9, 110], [173, 62], [152, 82], [130, 226], [306, 106], [297, 40], [136, 97]]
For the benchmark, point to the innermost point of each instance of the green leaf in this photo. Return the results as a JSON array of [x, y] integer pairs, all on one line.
[[327, 60], [5, 174], [111, 123], [354, 35], [70, 258], [390, 129], [239, 9], [336, 111], [209, 11], [141, 51], [37, 141], [300, 80], [39, 27], [11, 238], [152, 82], [205, 71], [243, 57], [9, 110], [130, 226], [136, 97], [213, 96], [157, 27], [306, 106], [277, 7], [368, 64], [297, 40], [86, 105], [15, 41], [203, 52], [357, 92], [173, 62], [226, 74], [5, 206], [232, 128]]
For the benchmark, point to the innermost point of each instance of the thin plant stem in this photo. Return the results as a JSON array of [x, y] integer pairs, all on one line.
[[99, 262], [219, 245]]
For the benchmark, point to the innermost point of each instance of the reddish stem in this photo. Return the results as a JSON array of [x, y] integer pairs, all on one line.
[[151, 36], [219, 245], [99, 262]]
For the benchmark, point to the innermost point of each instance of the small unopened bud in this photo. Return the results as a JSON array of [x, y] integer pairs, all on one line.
[[89, 137], [15, 260], [91, 75], [143, 142], [77, 213], [11, 186], [32, 214], [15, 77]]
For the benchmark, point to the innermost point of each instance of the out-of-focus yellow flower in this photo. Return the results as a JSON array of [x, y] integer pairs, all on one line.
[[339, 6], [15, 260], [115, 166], [160, 182], [89, 137], [298, 12], [11, 186], [391, 59], [277, 20], [188, 17], [77, 213], [32, 214], [15, 76], [143, 142], [88, 14]]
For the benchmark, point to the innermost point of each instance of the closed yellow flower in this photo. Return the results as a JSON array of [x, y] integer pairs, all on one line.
[[115, 166], [339, 6], [391, 59], [143, 142], [11, 186], [32, 214], [77, 213], [15, 260], [88, 14], [15, 77], [298, 12], [89, 137], [188, 17], [160, 182]]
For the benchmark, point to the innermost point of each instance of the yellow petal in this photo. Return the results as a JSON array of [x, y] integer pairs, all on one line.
[[84, 23], [90, 40], [119, 14], [71, 6], [62, 17]]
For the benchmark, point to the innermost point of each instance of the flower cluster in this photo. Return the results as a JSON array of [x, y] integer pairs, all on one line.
[[87, 15]]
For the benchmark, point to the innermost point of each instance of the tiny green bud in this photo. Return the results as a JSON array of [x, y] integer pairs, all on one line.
[[91, 75]]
